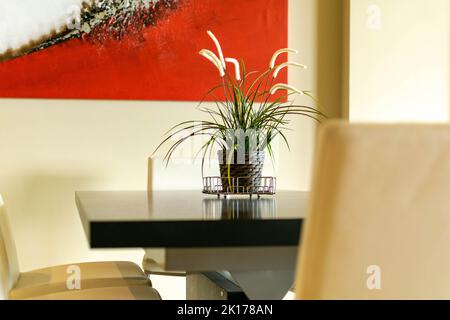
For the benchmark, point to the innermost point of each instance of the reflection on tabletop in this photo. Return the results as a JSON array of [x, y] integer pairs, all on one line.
[[239, 208]]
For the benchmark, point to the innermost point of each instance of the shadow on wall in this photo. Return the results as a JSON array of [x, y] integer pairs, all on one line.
[[46, 224]]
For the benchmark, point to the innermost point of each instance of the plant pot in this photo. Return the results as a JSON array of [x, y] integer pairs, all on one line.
[[241, 176]]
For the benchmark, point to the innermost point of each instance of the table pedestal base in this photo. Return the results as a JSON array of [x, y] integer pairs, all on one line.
[[264, 285], [263, 273]]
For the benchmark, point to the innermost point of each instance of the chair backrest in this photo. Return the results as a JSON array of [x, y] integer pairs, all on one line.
[[379, 215], [180, 174], [9, 267]]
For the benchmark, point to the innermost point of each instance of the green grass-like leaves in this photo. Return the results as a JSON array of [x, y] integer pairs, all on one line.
[[244, 105]]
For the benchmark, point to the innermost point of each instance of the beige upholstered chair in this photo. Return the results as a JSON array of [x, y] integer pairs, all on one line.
[[182, 175], [379, 217], [110, 293], [99, 280]]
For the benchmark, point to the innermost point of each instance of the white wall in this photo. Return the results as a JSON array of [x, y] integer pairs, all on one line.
[[399, 60], [51, 148]]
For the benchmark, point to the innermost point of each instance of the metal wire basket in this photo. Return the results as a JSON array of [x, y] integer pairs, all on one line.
[[260, 186]]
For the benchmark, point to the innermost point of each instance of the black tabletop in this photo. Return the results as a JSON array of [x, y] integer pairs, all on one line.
[[128, 219]]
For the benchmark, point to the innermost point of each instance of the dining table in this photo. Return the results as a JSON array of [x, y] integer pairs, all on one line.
[[252, 241]]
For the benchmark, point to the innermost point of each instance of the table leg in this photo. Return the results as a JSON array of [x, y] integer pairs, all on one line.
[[264, 284]]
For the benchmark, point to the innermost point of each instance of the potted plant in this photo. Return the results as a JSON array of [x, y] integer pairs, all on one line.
[[245, 121]]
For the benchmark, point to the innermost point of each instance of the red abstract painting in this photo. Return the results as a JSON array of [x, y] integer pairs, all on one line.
[[150, 54]]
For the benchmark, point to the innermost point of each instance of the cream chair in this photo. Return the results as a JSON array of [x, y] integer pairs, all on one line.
[[379, 216], [181, 175], [99, 280]]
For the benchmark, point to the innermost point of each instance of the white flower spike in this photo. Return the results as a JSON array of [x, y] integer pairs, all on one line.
[[236, 66], [282, 86], [213, 58], [276, 54], [219, 48], [285, 65]]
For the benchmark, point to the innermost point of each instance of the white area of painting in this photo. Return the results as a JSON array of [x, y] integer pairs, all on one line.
[[22, 21]]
